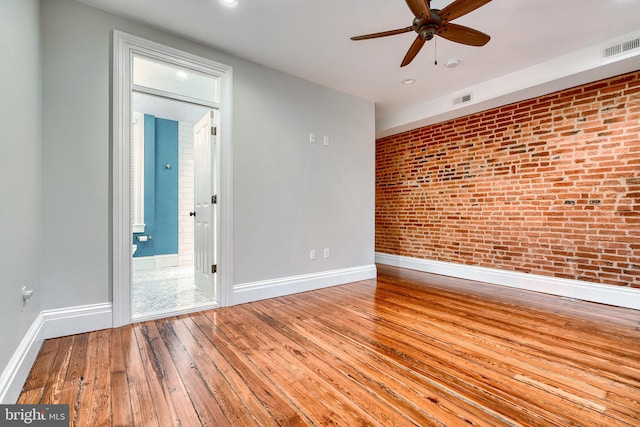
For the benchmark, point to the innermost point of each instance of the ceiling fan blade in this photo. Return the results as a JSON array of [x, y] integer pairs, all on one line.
[[383, 34], [465, 35], [420, 8], [413, 50], [459, 8]]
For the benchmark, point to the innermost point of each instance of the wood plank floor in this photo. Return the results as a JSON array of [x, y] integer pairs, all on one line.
[[406, 349]]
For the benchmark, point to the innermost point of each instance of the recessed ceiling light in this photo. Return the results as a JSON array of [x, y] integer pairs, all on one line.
[[408, 81], [229, 3]]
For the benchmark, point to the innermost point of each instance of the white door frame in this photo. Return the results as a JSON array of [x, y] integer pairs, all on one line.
[[124, 47]]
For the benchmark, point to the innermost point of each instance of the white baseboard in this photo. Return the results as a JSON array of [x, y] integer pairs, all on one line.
[[76, 320], [155, 261], [587, 291], [255, 291], [16, 372], [49, 324]]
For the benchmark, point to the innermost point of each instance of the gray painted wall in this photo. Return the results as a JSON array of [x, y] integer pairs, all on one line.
[[20, 234], [290, 196]]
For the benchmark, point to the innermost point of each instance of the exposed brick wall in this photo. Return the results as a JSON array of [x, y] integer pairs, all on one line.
[[549, 186]]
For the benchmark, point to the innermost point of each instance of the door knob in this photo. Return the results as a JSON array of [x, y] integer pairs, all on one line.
[[192, 214]]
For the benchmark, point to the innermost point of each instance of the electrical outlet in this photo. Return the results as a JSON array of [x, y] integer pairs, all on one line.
[[312, 137], [326, 253], [325, 141], [312, 254]]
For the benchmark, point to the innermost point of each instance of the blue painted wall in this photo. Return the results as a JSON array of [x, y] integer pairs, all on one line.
[[160, 188]]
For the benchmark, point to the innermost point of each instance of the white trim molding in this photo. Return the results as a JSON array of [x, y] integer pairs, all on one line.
[[76, 320], [577, 289], [17, 370], [255, 291], [154, 261], [49, 324], [124, 47]]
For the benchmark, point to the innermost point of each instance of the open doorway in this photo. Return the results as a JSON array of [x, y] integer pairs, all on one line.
[[173, 163], [151, 82]]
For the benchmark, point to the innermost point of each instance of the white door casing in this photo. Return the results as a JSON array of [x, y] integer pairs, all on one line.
[[124, 47]]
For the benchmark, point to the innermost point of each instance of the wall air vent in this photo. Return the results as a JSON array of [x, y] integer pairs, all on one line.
[[462, 99], [621, 48]]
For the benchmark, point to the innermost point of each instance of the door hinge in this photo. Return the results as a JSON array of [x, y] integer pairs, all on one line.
[[214, 130], [214, 268], [214, 199]]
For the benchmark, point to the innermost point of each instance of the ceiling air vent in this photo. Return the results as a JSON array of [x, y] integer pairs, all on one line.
[[462, 99], [620, 48]]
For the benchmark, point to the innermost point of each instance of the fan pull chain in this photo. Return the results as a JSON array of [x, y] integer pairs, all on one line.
[[435, 45]]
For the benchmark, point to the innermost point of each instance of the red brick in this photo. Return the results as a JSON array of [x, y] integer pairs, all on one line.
[[489, 189]]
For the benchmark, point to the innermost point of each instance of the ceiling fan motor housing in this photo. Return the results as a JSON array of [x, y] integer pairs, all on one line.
[[427, 27]]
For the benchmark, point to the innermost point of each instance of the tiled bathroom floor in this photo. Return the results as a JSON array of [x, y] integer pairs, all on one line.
[[165, 289]]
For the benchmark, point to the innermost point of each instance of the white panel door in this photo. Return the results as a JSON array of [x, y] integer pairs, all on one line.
[[204, 189]]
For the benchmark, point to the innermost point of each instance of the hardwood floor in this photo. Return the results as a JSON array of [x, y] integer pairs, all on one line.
[[406, 349]]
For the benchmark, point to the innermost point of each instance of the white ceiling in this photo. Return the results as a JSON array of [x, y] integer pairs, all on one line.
[[311, 39]]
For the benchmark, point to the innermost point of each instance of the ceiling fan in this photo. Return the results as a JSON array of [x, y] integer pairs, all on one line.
[[433, 22]]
